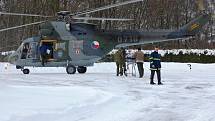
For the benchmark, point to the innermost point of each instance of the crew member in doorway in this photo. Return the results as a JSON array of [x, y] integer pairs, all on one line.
[[118, 57], [155, 66], [139, 56], [43, 53]]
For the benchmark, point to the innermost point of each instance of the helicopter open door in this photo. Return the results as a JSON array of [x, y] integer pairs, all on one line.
[[57, 49], [51, 44]]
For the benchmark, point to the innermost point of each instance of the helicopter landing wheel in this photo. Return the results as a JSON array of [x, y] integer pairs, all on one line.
[[70, 69], [82, 69], [26, 71]]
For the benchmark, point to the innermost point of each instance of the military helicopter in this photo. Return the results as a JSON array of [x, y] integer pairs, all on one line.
[[78, 45]]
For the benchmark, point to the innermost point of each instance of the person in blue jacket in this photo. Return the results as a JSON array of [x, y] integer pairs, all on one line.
[[155, 66], [43, 52]]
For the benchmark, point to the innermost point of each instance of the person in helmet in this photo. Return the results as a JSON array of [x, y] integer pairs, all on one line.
[[155, 66]]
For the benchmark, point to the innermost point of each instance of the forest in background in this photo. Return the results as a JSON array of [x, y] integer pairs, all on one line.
[[148, 14]]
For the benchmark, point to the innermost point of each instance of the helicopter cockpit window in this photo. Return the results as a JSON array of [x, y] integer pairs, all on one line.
[[25, 50], [32, 51]]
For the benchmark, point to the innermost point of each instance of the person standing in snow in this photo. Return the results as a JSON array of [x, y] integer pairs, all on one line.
[[124, 61], [139, 56], [118, 58], [155, 66]]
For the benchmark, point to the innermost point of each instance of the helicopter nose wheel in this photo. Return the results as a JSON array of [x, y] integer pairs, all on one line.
[[70, 69], [82, 69], [26, 71]]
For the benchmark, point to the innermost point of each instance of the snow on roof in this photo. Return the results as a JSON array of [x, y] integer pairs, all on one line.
[[177, 51]]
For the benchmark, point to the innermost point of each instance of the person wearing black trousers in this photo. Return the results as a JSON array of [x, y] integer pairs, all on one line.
[[155, 66]]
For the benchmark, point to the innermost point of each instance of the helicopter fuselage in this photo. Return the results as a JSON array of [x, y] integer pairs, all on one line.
[[82, 44], [79, 44]]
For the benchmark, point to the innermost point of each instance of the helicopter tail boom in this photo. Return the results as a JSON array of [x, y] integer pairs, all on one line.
[[139, 37]]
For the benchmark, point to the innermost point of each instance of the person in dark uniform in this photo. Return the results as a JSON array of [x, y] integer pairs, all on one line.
[[155, 66], [43, 53]]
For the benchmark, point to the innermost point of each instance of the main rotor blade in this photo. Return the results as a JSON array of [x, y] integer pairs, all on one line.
[[6, 29], [105, 7], [22, 14], [125, 25], [101, 19]]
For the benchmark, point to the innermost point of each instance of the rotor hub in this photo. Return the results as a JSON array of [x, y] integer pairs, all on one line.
[[63, 13]]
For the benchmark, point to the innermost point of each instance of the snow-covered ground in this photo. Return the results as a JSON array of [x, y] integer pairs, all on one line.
[[49, 94]]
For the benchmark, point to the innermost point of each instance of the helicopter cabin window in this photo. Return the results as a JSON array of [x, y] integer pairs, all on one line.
[[61, 45], [48, 47], [25, 50], [60, 50]]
